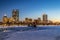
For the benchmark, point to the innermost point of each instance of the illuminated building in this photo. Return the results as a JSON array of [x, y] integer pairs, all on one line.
[[11, 20], [15, 14], [39, 21], [36, 21], [30, 20], [45, 19], [26, 20], [5, 19]]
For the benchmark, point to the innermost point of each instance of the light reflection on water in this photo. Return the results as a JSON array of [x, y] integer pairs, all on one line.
[[51, 33]]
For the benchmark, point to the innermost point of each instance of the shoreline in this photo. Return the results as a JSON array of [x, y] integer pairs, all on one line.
[[1, 26]]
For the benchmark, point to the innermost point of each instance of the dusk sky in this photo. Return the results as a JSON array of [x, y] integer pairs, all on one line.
[[31, 8]]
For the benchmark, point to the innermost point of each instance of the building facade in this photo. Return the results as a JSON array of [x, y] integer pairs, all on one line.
[[15, 14], [5, 19], [45, 18]]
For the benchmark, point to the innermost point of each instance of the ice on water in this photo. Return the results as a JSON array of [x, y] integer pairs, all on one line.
[[29, 33]]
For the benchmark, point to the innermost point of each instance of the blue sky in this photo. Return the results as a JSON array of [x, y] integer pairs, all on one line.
[[31, 8]]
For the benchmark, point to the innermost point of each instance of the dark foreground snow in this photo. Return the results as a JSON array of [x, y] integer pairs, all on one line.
[[29, 33]]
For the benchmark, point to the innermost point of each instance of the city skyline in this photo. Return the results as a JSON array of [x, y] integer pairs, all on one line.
[[31, 8]]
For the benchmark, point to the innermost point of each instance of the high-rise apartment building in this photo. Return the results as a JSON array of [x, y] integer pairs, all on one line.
[[15, 14], [5, 19], [45, 18]]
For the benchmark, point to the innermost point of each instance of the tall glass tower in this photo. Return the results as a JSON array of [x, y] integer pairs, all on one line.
[[45, 17], [15, 14]]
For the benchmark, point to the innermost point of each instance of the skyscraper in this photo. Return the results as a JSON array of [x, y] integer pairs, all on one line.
[[15, 14], [5, 19], [45, 19]]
